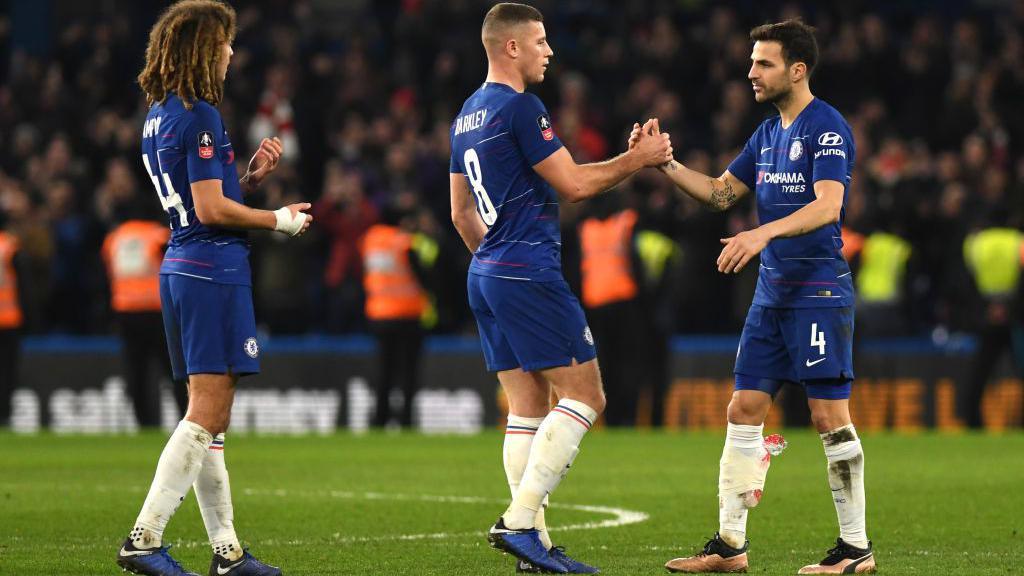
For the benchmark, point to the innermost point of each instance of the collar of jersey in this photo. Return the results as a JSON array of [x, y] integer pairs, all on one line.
[[499, 86], [806, 108]]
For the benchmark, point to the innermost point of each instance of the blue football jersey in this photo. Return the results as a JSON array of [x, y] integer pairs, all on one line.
[[180, 147], [781, 166], [497, 138]]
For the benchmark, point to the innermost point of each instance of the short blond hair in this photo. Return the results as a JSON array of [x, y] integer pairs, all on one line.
[[503, 17]]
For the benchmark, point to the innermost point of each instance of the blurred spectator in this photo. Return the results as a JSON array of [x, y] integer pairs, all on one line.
[[132, 252], [284, 267], [344, 214], [995, 258], [610, 275], [275, 116], [11, 319], [397, 260]]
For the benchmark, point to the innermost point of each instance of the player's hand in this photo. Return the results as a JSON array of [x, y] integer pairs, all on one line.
[[653, 147], [292, 219], [265, 160], [634, 137], [739, 249]]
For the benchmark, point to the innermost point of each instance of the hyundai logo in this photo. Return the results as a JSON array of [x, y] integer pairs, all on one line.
[[830, 139]]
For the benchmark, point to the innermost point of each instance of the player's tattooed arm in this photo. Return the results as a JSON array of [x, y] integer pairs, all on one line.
[[722, 194], [717, 194]]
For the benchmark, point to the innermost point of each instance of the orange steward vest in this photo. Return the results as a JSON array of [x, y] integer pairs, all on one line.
[[133, 252], [10, 311], [607, 275], [392, 290], [853, 243]]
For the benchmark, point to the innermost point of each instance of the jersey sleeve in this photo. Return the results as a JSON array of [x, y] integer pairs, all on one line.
[[531, 126], [742, 167], [831, 146], [202, 138], [455, 166]]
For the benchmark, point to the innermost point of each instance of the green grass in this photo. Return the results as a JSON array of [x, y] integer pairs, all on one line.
[[937, 504]]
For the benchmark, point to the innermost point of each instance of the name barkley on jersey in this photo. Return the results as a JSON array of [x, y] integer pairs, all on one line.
[[471, 121]]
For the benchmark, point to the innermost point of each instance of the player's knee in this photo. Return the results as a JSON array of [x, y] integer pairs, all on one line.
[[824, 421], [741, 411], [595, 399], [208, 423], [212, 420]]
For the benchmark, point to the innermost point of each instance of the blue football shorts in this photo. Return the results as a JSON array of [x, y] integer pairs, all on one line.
[[809, 346], [529, 325], [210, 327]]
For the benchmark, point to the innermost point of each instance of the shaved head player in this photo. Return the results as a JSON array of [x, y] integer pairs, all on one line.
[[508, 172]]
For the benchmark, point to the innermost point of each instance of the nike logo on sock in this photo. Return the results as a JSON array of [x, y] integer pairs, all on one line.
[[225, 569], [809, 363]]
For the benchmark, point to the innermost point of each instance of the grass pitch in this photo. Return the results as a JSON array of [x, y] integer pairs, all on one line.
[[375, 504]]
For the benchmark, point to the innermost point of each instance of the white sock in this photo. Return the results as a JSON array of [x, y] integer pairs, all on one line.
[[554, 447], [519, 433], [846, 479], [541, 524], [213, 492], [177, 469], [741, 475]]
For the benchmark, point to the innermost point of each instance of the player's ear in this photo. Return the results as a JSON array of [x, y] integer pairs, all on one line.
[[798, 71], [512, 47]]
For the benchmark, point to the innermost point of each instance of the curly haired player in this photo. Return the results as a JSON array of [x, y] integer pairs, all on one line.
[[205, 280]]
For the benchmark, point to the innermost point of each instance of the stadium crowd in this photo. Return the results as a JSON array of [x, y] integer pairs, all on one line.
[[362, 94]]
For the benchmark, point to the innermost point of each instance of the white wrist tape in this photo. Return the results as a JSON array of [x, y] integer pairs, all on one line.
[[287, 222]]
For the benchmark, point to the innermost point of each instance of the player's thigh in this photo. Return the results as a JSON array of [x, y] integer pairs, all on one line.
[[824, 338], [542, 322], [763, 361], [172, 327], [498, 354], [578, 381], [217, 326], [243, 348], [528, 393]]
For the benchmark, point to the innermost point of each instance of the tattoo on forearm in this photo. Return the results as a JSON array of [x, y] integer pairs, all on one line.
[[721, 198]]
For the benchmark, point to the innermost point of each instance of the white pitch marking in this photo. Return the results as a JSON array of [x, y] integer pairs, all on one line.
[[620, 516]]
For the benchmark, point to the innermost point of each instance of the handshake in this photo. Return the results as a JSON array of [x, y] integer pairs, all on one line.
[[653, 147]]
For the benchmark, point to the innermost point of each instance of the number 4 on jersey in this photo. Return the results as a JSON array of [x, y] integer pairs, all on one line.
[[817, 338]]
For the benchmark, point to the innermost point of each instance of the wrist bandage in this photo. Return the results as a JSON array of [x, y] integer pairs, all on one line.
[[287, 222]]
